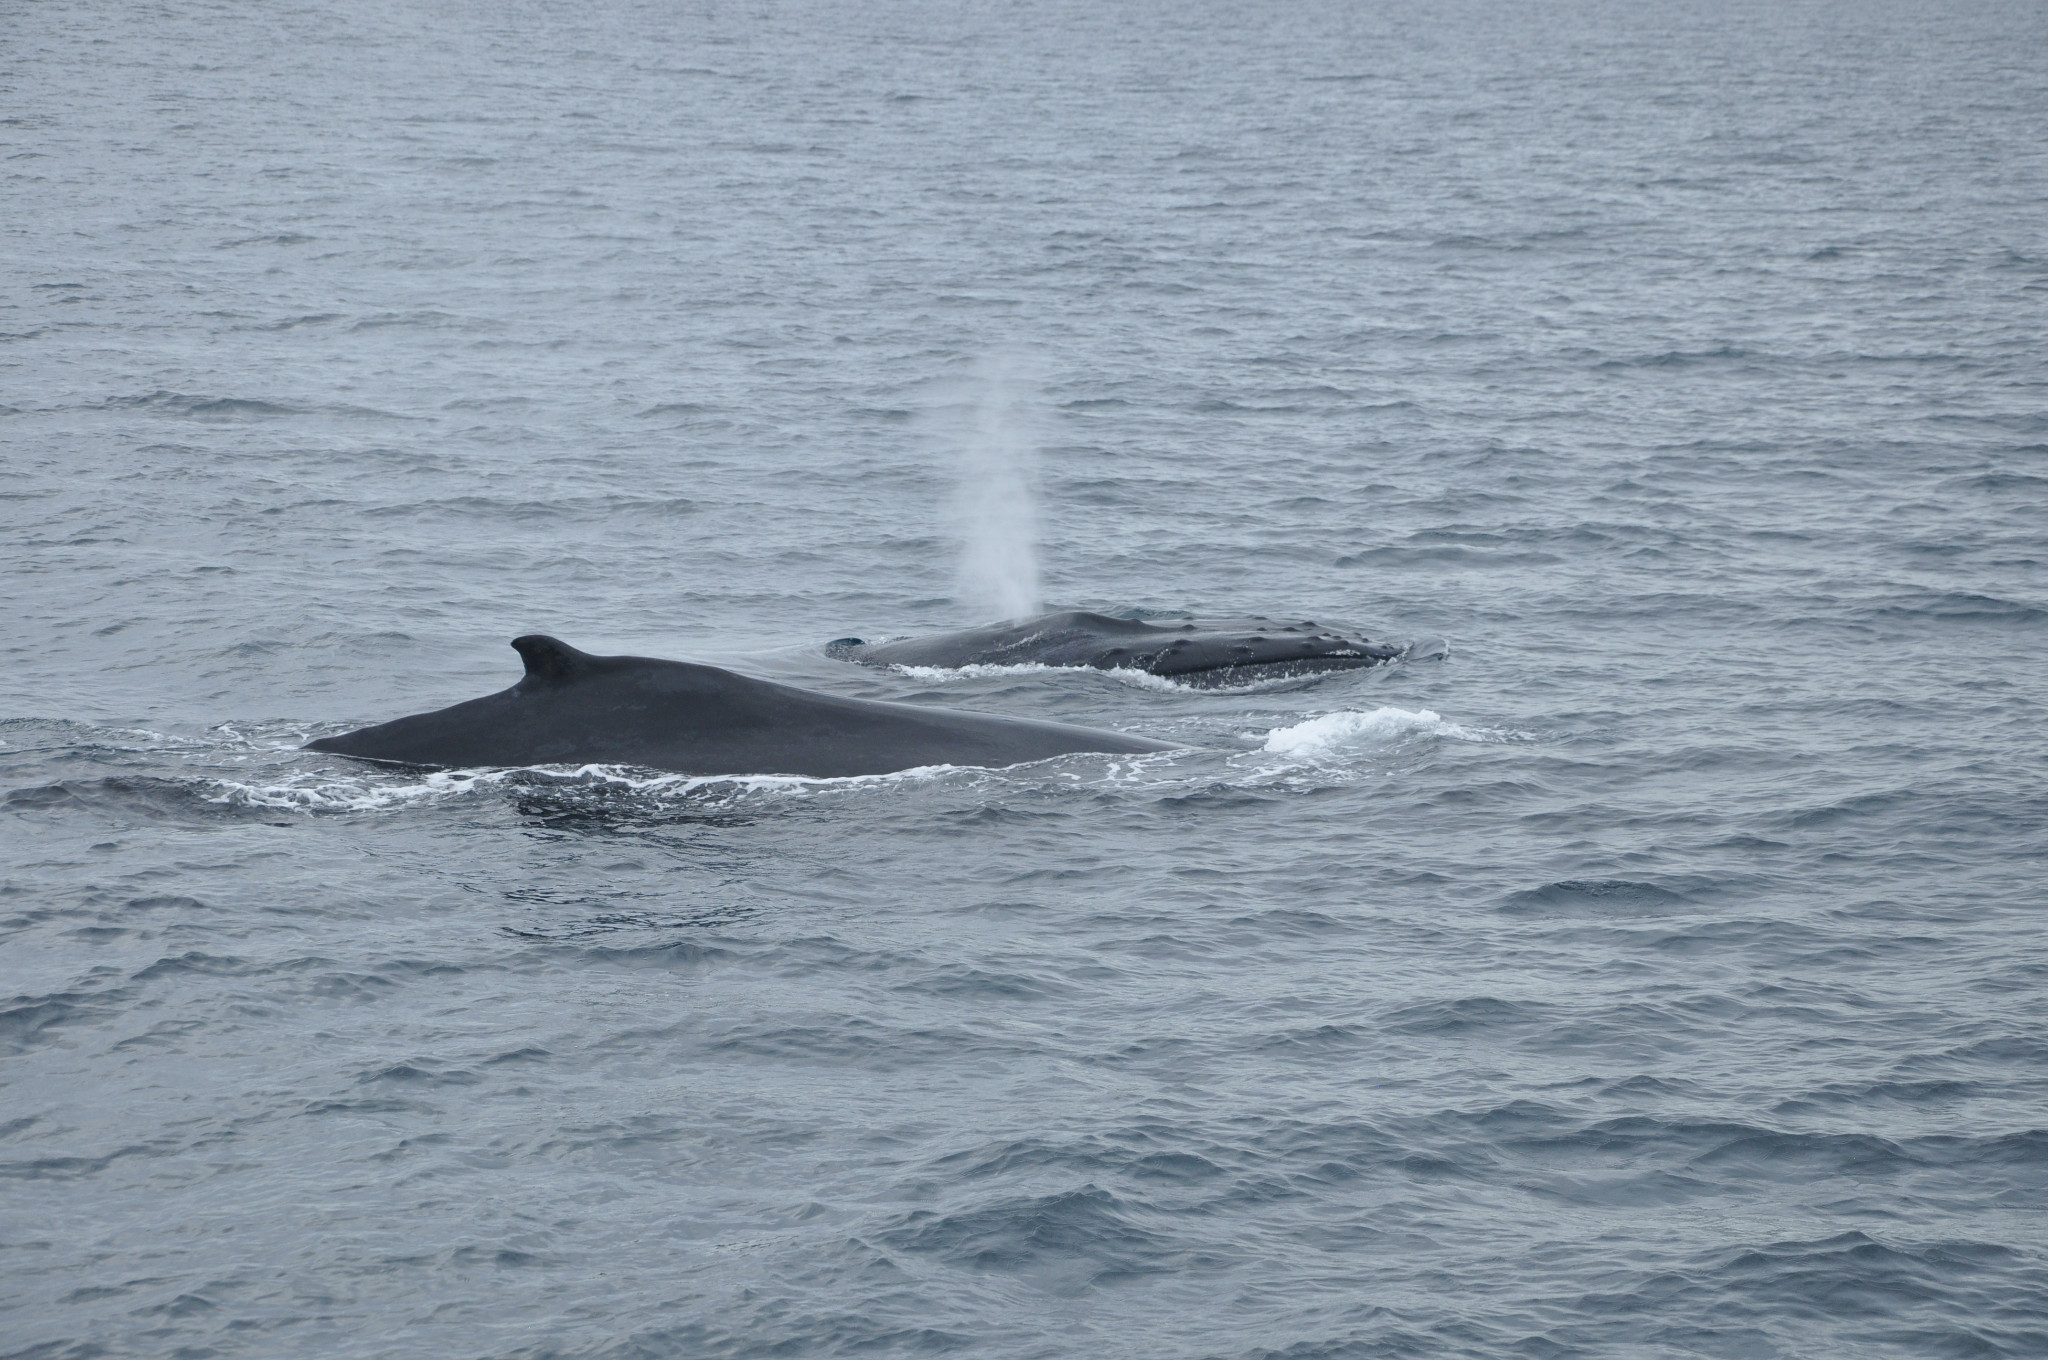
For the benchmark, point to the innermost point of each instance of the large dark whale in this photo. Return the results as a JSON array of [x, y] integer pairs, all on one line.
[[575, 709], [1195, 653]]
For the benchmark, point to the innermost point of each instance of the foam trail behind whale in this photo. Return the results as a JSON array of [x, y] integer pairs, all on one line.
[[996, 451]]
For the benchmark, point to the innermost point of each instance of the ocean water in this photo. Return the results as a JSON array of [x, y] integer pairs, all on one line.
[[1662, 972]]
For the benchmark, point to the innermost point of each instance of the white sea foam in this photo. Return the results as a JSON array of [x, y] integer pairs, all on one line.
[[1335, 735], [1126, 675], [1137, 679], [368, 794], [373, 793], [946, 675], [1236, 688]]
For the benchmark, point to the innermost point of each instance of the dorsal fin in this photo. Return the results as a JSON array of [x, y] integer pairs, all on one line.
[[550, 661]]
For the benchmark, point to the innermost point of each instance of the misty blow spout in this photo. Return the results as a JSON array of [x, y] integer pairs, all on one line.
[[996, 451]]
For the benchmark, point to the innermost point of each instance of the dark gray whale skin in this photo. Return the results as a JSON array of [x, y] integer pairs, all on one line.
[[574, 709], [1197, 653]]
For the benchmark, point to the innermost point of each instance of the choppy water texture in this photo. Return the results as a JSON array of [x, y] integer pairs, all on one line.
[[1660, 974]]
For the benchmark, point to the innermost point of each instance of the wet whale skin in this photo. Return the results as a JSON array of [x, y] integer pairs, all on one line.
[[1211, 653], [571, 708]]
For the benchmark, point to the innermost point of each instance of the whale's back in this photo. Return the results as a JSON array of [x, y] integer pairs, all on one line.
[[572, 708], [1214, 651]]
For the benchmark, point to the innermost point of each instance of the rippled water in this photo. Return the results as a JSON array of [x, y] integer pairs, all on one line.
[[1660, 973]]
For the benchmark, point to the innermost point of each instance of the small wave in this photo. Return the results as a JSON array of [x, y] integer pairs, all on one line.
[[27, 1020], [207, 408], [609, 796], [1957, 606], [946, 675], [1597, 897], [282, 238], [1231, 682], [1165, 684], [427, 318], [1234, 680], [350, 795], [1675, 358], [293, 322], [1335, 735], [1079, 1233], [128, 795], [611, 799], [378, 793], [1123, 675], [186, 404]]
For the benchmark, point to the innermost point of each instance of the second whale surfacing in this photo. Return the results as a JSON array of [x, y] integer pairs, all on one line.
[[1193, 653], [571, 708]]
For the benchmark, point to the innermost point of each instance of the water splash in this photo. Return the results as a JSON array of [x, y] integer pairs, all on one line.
[[992, 433], [1337, 735]]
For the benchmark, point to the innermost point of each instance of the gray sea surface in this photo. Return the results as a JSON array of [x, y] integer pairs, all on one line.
[[1661, 973]]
